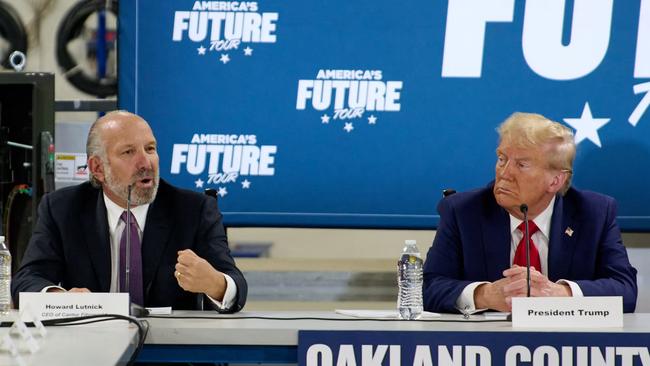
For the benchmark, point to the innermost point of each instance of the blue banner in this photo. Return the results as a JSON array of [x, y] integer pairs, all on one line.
[[424, 348], [359, 113]]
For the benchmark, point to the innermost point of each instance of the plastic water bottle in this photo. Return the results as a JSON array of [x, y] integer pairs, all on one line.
[[5, 277], [409, 280]]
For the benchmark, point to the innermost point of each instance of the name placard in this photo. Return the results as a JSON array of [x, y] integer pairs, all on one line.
[[49, 305], [567, 312]]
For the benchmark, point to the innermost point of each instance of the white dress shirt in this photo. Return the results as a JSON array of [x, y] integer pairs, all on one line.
[[540, 239], [116, 227]]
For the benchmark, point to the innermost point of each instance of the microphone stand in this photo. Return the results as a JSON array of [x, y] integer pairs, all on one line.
[[524, 209]]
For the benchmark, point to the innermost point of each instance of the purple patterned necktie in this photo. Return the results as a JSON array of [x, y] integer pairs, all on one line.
[[135, 271]]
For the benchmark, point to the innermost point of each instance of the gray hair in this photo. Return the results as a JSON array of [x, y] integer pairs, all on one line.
[[95, 145]]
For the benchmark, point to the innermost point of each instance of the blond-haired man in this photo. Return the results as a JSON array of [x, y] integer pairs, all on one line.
[[477, 259]]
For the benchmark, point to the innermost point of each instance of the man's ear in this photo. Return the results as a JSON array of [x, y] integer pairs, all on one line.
[[557, 181], [96, 168]]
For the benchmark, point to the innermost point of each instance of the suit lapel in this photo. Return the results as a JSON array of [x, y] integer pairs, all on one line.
[[156, 236], [96, 235], [562, 240], [496, 240]]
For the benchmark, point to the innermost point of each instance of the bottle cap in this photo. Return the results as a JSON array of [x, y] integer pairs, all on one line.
[[410, 242]]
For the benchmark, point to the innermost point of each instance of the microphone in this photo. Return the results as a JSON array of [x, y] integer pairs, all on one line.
[[524, 209]]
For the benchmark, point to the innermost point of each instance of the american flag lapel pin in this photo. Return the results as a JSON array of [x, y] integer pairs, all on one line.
[[569, 231]]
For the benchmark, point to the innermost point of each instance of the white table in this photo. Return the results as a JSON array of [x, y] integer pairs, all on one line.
[[107, 343], [245, 338]]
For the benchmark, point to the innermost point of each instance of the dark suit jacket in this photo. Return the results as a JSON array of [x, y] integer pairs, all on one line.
[[473, 244], [70, 245]]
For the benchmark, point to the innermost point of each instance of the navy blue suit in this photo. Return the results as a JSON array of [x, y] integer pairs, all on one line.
[[71, 245], [473, 243]]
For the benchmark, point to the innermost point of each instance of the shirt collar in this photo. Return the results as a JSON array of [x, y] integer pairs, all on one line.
[[543, 220], [113, 213]]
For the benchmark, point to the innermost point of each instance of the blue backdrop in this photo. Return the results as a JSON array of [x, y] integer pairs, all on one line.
[[358, 113]]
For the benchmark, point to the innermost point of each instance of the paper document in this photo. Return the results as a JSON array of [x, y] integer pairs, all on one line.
[[496, 315], [160, 311], [381, 314], [466, 312]]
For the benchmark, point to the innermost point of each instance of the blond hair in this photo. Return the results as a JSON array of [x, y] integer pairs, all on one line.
[[525, 130]]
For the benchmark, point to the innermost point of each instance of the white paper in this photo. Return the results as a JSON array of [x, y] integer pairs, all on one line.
[[160, 311], [70, 167], [496, 315], [466, 313], [381, 314]]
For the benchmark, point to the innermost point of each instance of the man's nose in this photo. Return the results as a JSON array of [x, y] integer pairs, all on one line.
[[504, 171], [142, 160]]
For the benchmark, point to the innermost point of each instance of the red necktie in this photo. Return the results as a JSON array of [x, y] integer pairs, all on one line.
[[520, 254]]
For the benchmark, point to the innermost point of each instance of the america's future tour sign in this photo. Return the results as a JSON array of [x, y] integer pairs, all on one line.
[[359, 113]]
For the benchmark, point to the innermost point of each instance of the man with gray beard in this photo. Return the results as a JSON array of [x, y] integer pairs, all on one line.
[[178, 243]]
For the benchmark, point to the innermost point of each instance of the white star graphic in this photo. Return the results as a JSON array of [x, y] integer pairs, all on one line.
[[224, 58], [372, 119], [222, 191], [246, 184], [348, 127], [248, 51], [201, 50], [587, 126], [199, 183], [325, 118]]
